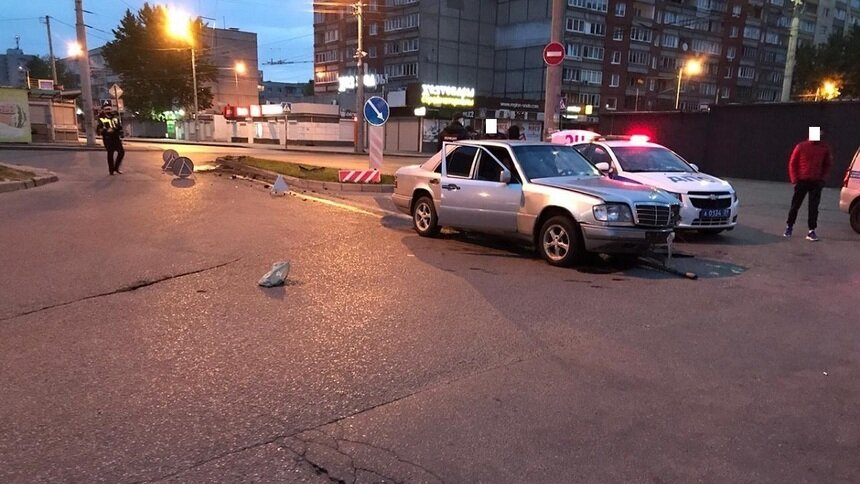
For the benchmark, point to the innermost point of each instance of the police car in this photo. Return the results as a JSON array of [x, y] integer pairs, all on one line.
[[708, 204]]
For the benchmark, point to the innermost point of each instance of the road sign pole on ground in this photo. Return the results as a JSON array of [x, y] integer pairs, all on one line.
[[553, 71], [377, 142], [376, 112]]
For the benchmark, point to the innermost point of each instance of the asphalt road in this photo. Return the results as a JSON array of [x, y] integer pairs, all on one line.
[[137, 347]]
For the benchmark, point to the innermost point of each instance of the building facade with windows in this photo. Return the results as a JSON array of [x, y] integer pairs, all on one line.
[[620, 54]]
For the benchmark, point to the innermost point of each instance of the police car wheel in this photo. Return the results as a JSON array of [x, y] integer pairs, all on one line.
[[424, 217], [855, 217], [560, 242]]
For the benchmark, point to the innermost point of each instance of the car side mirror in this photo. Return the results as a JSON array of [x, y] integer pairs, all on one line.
[[695, 167], [603, 167], [505, 177]]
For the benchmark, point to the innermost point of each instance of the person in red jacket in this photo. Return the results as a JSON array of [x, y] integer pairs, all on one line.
[[808, 168]]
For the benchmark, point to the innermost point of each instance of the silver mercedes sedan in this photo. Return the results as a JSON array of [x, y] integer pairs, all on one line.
[[544, 194]]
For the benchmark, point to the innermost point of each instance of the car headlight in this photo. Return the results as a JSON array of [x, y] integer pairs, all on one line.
[[613, 213]]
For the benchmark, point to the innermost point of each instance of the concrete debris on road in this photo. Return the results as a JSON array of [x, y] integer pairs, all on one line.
[[277, 276]]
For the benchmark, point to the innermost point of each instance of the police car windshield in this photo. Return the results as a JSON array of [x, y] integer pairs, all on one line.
[[547, 161], [650, 158]]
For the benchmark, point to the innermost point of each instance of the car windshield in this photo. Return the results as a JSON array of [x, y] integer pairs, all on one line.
[[547, 161], [650, 158]]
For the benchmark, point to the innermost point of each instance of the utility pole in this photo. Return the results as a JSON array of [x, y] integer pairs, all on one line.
[[791, 57], [358, 10], [553, 73], [51, 50], [86, 84]]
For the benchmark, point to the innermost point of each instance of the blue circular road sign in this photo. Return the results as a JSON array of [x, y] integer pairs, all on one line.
[[376, 111]]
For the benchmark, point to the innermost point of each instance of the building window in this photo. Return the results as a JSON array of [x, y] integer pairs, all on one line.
[[767, 95], [705, 46], [724, 93], [611, 103], [807, 26], [638, 57], [372, 29], [730, 53], [319, 18], [593, 99], [616, 57], [614, 80], [596, 28], [746, 72], [618, 34], [640, 34], [592, 52], [596, 5], [575, 25], [326, 77], [331, 36], [327, 56], [736, 11], [707, 89], [668, 63], [776, 77], [728, 74], [409, 69], [620, 9], [771, 38], [570, 75], [371, 52], [410, 45], [652, 84], [670, 40], [748, 52], [734, 32], [573, 51], [402, 22], [751, 32], [589, 76]]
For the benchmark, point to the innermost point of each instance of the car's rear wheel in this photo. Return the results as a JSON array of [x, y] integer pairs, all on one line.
[[855, 217], [424, 217], [560, 241]]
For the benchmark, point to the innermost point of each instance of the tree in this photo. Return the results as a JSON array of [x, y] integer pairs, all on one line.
[[836, 60], [308, 89], [155, 68], [40, 68]]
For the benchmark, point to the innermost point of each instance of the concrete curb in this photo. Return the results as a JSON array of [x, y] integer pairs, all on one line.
[[49, 147], [301, 183], [264, 146], [43, 177]]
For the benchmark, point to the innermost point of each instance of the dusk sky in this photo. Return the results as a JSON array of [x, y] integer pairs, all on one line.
[[284, 27]]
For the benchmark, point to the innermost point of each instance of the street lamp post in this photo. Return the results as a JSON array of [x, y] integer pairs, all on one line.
[[692, 67], [179, 27]]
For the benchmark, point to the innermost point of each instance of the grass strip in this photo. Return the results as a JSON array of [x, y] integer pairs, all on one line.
[[11, 174], [308, 172]]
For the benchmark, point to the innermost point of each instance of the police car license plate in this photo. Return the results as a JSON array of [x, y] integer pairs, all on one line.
[[715, 213], [656, 237]]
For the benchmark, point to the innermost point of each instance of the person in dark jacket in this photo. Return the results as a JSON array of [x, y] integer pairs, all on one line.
[[110, 128], [514, 132], [454, 131], [808, 168]]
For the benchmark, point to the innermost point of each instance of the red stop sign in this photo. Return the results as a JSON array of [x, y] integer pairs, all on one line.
[[553, 53]]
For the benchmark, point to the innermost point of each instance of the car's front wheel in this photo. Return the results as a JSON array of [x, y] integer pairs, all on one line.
[[424, 217], [560, 241], [855, 217]]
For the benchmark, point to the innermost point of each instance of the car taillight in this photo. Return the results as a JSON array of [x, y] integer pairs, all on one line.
[[847, 177]]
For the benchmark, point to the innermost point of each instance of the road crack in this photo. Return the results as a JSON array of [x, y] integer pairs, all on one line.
[[129, 288]]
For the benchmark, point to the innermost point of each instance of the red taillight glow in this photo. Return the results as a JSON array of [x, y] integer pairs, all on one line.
[[639, 138]]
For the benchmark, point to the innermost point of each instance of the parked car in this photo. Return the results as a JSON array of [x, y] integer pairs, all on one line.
[[849, 198], [708, 204], [544, 194]]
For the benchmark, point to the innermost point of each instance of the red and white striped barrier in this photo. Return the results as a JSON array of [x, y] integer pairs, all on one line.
[[358, 176]]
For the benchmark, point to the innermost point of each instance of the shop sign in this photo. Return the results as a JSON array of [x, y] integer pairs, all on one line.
[[434, 95], [347, 83]]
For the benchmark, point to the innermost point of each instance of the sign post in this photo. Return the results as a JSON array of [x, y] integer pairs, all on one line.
[[376, 112]]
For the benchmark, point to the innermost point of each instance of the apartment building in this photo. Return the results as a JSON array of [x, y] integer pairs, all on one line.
[[621, 54]]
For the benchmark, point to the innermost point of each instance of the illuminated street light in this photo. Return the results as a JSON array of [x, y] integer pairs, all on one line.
[[179, 27], [693, 68], [73, 49], [239, 68], [829, 90]]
